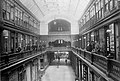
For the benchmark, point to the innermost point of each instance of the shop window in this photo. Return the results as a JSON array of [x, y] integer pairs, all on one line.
[[28, 42], [101, 3], [8, 10], [97, 9], [31, 22], [12, 35], [106, 5], [111, 27], [92, 11], [88, 38], [117, 40], [4, 4], [102, 12], [102, 41], [12, 13], [16, 42], [25, 19], [92, 39], [4, 10], [82, 42], [4, 14], [19, 15], [33, 41], [8, 16], [115, 3], [85, 41], [23, 42], [16, 16], [96, 33], [6, 40], [111, 40], [92, 36], [19, 42], [111, 4]]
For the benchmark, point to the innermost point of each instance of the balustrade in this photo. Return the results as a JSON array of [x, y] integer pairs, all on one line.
[[100, 62], [107, 65], [8, 59], [88, 56], [114, 71]]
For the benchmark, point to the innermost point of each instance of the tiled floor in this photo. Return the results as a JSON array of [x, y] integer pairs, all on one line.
[[61, 73]]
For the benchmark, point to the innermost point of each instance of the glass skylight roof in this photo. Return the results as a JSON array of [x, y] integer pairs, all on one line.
[[42, 8]]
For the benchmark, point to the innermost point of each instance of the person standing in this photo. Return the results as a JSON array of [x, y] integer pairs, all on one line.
[[58, 61], [89, 47], [66, 60]]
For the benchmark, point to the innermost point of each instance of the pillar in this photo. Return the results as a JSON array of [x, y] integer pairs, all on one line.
[[119, 40]]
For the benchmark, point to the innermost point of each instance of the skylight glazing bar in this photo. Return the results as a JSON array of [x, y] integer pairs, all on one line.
[[38, 7]]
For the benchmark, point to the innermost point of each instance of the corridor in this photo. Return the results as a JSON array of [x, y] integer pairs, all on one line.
[[62, 72]]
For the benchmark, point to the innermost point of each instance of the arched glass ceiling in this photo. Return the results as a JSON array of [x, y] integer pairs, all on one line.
[[41, 8]]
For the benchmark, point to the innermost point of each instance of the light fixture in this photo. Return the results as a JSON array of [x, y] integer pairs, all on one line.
[[79, 38], [5, 33], [92, 35], [84, 37], [6, 37], [54, 22], [76, 79], [109, 31], [21, 38]]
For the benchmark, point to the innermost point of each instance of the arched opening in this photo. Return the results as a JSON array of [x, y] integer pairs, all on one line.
[[59, 26]]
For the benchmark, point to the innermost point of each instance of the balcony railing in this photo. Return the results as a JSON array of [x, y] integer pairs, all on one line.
[[58, 49], [114, 69], [107, 65], [100, 62], [9, 59]]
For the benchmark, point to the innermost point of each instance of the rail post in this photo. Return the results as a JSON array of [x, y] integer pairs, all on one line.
[[92, 57], [109, 64]]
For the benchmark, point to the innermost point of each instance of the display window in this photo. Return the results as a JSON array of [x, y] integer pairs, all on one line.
[[6, 41], [102, 41], [110, 38]]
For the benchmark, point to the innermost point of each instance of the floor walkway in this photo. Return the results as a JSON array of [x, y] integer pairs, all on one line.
[[59, 73]]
